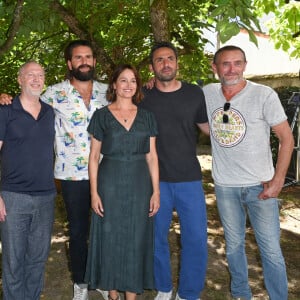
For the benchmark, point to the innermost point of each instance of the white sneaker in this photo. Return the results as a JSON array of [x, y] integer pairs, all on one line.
[[253, 298], [163, 295], [104, 294], [178, 298], [80, 292]]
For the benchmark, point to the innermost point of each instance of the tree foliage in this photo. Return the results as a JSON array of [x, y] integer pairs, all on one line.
[[284, 27], [121, 31]]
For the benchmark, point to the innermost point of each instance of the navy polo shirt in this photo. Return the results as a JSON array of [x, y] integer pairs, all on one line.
[[27, 149]]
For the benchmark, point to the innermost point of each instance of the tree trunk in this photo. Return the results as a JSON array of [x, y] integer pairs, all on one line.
[[107, 65], [159, 20], [13, 28]]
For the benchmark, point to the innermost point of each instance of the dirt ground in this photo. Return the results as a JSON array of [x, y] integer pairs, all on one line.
[[58, 285]]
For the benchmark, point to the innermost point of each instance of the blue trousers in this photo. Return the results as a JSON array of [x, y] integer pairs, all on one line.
[[187, 198], [234, 203], [77, 199], [26, 236]]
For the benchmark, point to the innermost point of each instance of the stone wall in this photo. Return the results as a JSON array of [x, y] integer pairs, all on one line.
[[275, 81]]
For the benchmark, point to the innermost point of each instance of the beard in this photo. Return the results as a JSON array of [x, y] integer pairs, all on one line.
[[32, 92], [165, 77], [228, 82], [36, 93], [83, 76]]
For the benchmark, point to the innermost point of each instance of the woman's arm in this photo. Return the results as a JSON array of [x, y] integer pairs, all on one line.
[[94, 158], [152, 161]]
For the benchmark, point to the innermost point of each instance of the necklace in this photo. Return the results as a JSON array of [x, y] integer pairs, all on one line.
[[127, 116], [124, 115]]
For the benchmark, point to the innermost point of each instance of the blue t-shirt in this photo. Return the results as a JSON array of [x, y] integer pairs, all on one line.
[[27, 149]]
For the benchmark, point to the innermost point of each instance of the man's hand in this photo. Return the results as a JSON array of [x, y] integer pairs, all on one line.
[[272, 189], [2, 210], [5, 99], [150, 84]]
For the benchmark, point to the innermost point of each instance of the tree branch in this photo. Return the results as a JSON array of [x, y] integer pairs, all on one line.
[[13, 28], [70, 20], [296, 34], [75, 26]]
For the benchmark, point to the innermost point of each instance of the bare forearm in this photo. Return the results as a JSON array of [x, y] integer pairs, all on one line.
[[94, 158], [204, 127], [283, 160], [153, 170], [152, 161], [286, 147], [93, 171]]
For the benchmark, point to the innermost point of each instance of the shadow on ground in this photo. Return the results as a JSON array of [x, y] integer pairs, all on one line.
[[58, 284]]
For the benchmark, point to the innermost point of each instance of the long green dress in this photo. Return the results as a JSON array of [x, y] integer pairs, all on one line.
[[121, 243]]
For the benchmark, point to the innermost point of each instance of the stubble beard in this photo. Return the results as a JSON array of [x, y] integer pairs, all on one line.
[[165, 78], [32, 92], [231, 82]]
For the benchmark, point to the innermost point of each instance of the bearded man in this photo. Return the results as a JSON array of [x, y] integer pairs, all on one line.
[[179, 109], [74, 101]]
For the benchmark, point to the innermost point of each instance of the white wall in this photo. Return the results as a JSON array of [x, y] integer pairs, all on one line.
[[264, 59]]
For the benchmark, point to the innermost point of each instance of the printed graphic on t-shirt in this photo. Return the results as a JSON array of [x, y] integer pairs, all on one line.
[[231, 133]]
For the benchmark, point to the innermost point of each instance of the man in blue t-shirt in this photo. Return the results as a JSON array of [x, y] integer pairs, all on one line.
[[179, 108], [27, 186]]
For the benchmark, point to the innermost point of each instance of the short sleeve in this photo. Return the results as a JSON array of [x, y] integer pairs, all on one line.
[[95, 127], [273, 110], [152, 124], [48, 96], [3, 122], [201, 111]]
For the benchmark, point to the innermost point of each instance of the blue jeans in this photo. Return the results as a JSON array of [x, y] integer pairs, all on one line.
[[26, 238], [234, 203], [77, 199], [188, 200]]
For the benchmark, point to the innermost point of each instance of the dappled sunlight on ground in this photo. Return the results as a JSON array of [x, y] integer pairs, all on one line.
[[58, 284]]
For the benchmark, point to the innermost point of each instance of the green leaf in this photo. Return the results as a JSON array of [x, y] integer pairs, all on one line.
[[228, 30], [252, 37]]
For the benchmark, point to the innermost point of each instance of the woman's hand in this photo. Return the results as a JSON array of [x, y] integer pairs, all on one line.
[[97, 206], [154, 204]]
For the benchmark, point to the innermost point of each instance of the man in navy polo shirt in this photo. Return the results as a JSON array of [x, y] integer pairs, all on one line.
[[27, 186]]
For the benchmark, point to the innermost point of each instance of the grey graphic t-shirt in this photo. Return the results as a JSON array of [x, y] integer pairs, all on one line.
[[241, 145]]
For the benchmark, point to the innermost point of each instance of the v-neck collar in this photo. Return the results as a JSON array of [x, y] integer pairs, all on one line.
[[133, 121]]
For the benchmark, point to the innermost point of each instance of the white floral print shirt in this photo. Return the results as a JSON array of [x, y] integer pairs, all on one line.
[[72, 141]]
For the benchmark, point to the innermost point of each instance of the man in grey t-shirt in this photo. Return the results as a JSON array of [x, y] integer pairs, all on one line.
[[241, 114]]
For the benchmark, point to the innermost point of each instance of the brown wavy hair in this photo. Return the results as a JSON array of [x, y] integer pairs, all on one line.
[[110, 93]]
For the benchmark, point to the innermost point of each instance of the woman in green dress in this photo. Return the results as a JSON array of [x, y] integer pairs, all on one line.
[[124, 190]]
